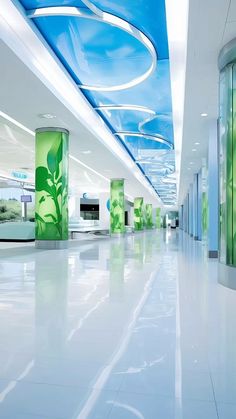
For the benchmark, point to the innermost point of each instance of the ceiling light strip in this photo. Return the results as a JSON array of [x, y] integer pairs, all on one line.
[[152, 137], [125, 108], [16, 123]]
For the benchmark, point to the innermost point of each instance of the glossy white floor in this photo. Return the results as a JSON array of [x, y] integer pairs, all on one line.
[[116, 328]]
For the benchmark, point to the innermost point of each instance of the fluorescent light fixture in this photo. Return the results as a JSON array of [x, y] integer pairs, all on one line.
[[196, 143], [88, 167], [194, 149], [54, 11], [86, 152], [177, 27], [204, 114], [16, 123], [47, 116], [125, 108], [151, 137], [191, 162]]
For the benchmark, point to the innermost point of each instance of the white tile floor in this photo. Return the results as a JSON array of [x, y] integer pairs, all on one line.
[[116, 329]]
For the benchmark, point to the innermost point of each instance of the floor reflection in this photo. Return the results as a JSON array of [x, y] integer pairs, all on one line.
[[135, 327]]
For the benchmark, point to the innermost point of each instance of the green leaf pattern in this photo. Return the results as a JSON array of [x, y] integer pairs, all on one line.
[[228, 165], [51, 184], [149, 222], [117, 206], [138, 214]]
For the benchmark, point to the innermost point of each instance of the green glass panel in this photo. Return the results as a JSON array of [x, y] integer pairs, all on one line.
[[224, 85], [117, 207], [138, 214], [229, 173], [234, 166], [164, 222], [149, 222], [228, 165], [158, 217], [51, 186], [204, 204]]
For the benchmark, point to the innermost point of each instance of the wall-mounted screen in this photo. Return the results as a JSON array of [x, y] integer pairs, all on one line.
[[26, 198]]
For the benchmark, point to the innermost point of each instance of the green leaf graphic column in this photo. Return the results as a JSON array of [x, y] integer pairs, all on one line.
[[205, 214], [158, 217], [51, 187], [117, 207], [138, 214], [149, 222], [228, 165]]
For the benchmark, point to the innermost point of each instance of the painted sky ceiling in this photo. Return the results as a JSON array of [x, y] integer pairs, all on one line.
[[117, 53]]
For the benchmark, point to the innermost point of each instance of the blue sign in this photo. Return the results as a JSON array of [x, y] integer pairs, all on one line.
[[19, 175]]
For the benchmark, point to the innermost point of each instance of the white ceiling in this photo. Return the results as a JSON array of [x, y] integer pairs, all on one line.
[[212, 23], [24, 97]]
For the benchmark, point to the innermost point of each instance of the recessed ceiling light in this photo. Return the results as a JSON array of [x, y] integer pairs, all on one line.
[[191, 162], [194, 149], [87, 152], [46, 115], [204, 114], [196, 143], [189, 168]]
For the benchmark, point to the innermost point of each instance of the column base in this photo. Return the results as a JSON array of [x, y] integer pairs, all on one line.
[[213, 254], [227, 276], [51, 244], [117, 234]]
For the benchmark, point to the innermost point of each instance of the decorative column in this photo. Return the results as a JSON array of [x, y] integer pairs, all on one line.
[[138, 214], [199, 213], [191, 210], [195, 207], [205, 213], [51, 188], [227, 161], [158, 217], [213, 192], [117, 207], [149, 223]]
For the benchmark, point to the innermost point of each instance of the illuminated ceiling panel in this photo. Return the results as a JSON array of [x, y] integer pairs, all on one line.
[[117, 53]]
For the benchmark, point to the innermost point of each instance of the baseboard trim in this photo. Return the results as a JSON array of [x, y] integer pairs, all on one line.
[[227, 276]]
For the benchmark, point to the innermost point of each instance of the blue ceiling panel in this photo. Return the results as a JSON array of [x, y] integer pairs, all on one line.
[[94, 51], [147, 15], [117, 53], [154, 93]]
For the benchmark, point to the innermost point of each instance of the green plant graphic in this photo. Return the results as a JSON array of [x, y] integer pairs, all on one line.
[[228, 165], [149, 222], [204, 188], [204, 214], [138, 214], [158, 217], [117, 206], [51, 185]]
